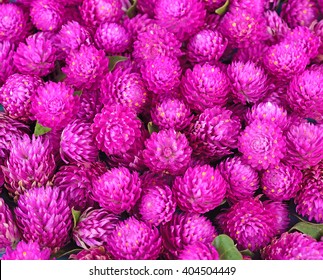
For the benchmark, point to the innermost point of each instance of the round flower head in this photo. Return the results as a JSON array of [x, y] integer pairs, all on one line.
[[14, 25], [36, 56], [85, 67], [201, 189], [76, 182], [206, 46], [293, 246], [115, 129], [147, 7], [94, 253], [304, 145], [167, 151], [9, 233], [7, 67], [44, 216], [214, 134], [318, 30], [249, 82], [117, 190], [280, 213], [138, 24], [30, 164], [177, 15], [212, 21], [72, 13], [161, 74], [16, 93], [199, 251], [94, 12], [27, 251], [205, 87], [281, 182], [254, 53], [185, 229], [262, 144], [134, 240], [90, 105], [276, 26], [77, 143], [54, 105], [112, 37], [47, 15], [94, 227], [243, 180]]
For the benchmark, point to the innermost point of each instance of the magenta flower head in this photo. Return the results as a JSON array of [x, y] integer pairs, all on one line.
[[243, 180], [249, 82], [276, 26], [206, 46], [205, 87], [185, 229], [44, 216], [14, 25], [138, 24], [113, 38], [167, 151], [27, 251], [94, 253], [212, 5], [177, 15], [85, 67], [94, 227], [36, 56], [9, 233], [147, 7], [134, 240], [16, 93], [30, 164], [54, 105], [115, 129], [77, 143], [254, 53], [214, 134], [201, 189], [262, 144], [94, 12], [117, 190], [304, 145], [7, 51], [293, 246], [280, 213], [199, 251], [47, 15], [90, 105], [161, 74]]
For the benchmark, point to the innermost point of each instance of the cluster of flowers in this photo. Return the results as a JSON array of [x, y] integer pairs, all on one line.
[[209, 123]]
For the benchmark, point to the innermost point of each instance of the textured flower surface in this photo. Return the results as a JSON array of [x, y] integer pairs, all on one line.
[[134, 240], [7, 51], [90, 105], [276, 26], [147, 7], [199, 251], [279, 211], [27, 251], [138, 24], [94, 253]]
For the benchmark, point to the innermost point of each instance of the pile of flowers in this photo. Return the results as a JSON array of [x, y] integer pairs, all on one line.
[[146, 129]]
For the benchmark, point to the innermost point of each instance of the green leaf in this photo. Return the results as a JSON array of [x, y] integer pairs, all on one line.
[[113, 60], [226, 248], [314, 230], [222, 10], [62, 253], [78, 92], [247, 252], [41, 130], [152, 128], [76, 215], [131, 12]]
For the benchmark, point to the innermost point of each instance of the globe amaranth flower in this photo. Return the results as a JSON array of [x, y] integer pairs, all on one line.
[[117, 190], [112, 37], [177, 15], [214, 134], [318, 30], [44, 216], [27, 251], [280, 213], [7, 67], [85, 67], [94, 253], [16, 94], [72, 13], [76, 180], [147, 7], [212, 5], [30, 164], [199, 251], [254, 53], [243, 180], [249, 82], [262, 144], [281, 182], [276, 26], [185, 229], [54, 105], [205, 87], [94, 227], [138, 24], [161, 74], [9, 233], [201, 189], [206, 46], [77, 143], [90, 105], [115, 129], [304, 145], [293, 246], [167, 151]]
